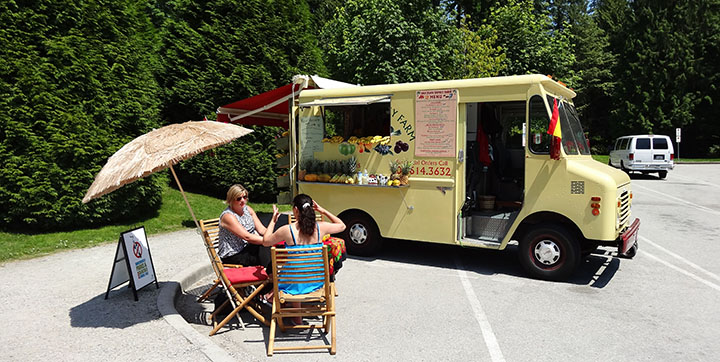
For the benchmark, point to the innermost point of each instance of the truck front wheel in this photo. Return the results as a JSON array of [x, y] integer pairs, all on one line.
[[549, 252], [361, 235]]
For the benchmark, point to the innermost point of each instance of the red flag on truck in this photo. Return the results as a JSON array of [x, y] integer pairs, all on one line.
[[554, 128]]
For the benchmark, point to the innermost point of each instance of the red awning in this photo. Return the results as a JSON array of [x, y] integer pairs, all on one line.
[[266, 109], [272, 108]]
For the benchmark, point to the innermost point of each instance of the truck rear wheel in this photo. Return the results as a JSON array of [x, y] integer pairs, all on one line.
[[662, 174], [361, 235], [549, 252]]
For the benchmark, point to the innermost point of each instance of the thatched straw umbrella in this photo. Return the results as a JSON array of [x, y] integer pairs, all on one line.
[[159, 149]]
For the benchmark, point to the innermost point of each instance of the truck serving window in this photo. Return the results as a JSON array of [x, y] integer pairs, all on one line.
[[573, 137], [357, 120]]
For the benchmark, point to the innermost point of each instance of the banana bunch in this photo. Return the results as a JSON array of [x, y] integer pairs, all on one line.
[[369, 140], [333, 139], [342, 179]]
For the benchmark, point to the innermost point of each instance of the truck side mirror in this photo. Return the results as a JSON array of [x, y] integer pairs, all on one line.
[[555, 148]]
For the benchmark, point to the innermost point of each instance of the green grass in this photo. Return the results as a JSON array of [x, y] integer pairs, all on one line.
[[172, 216], [601, 158]]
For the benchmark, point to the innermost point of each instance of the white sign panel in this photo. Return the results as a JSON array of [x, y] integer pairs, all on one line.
[[311, 135], [133, 262], [138, 253], [677, 135], [436, 122]]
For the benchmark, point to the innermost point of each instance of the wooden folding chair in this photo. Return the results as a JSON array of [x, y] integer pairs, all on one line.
[[318, 217], [300, 267], [231, 279], [210, 229], [291, 217]]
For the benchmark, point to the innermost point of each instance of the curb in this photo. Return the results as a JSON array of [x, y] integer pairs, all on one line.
[[166, 306]]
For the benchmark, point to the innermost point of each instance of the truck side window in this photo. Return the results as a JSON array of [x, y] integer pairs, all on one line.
[[359, 121], [642, 144], [539, 121]]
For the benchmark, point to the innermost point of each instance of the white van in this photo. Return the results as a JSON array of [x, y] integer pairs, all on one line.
[[643, 153]]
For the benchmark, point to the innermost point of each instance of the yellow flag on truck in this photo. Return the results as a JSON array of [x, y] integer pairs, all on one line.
[[554, 128]]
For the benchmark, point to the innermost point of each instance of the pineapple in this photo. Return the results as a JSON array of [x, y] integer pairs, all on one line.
[[311, 174], [303, 169], [337, 168], [326, 169], [351, 166], [395, 170], [405, 167]]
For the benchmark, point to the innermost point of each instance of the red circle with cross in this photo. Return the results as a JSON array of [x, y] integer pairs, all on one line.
[[137, 249]]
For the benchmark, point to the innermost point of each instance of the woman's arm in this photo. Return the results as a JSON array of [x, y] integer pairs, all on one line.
[[229, 222], [334, 226], [259, 227], [273, 236]]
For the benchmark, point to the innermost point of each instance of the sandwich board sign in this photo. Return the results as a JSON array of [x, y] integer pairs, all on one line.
[[133, 262]]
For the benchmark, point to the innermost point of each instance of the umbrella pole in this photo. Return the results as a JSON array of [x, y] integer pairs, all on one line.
[[185, 197]]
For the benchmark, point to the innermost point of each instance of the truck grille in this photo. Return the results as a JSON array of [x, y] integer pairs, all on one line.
[[624, 210]]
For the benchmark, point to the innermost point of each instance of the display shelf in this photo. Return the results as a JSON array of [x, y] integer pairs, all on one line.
[[352, 185]]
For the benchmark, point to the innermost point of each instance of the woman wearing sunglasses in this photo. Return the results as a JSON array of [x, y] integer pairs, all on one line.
[[241, 232]]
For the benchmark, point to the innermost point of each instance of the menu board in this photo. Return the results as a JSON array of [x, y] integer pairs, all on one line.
[[436, 122], [311, 135]]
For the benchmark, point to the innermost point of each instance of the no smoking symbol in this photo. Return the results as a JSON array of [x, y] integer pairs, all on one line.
[[137, 249]]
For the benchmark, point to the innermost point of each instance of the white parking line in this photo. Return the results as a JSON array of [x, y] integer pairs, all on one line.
[[683, 271], [666, 196], [487, 332], [688, 262]]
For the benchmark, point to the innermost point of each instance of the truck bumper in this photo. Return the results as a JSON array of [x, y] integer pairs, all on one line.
[[629, 237], [650, 167]]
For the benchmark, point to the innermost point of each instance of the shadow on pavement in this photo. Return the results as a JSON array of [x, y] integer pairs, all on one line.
[[120, 310], [597, 270]]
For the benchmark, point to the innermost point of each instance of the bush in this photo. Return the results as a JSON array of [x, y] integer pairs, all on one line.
[[714, 151], [248, 161], [76, 83]]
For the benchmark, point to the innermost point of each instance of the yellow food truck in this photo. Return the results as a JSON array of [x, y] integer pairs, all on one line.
[[474, 162]]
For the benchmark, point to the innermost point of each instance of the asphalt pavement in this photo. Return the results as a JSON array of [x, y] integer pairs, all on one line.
[[413, 301]]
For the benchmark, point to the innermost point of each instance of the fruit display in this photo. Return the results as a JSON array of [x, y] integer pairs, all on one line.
[[346, 148], [405, 168], [311, 174], [333, 139], [347, 172], [395, 171], [303, 169], [383, 149], [401, 146]]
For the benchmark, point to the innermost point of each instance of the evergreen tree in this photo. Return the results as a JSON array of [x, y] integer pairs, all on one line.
[[658, 71], [480, 55], [220, 51], [530, 43], [76, 83], [593, 69], [382, 41]]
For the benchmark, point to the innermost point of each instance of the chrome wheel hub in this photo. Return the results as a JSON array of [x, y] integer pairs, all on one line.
[[358, 234], [547, 252]]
